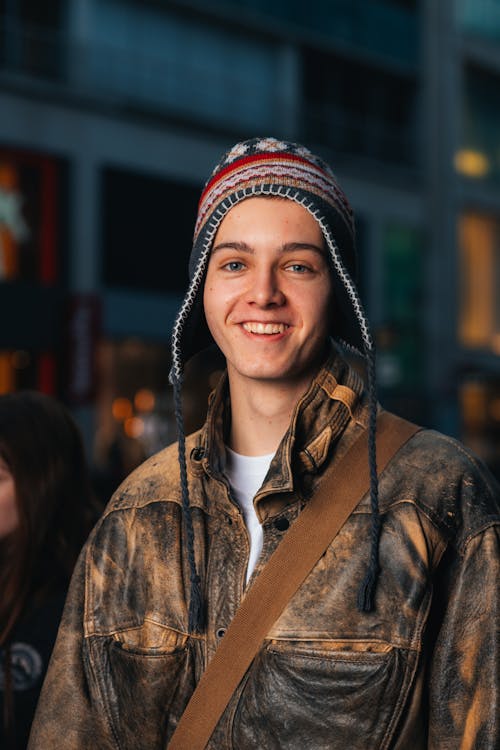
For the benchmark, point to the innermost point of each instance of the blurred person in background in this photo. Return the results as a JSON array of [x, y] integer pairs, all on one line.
[[46, 512]]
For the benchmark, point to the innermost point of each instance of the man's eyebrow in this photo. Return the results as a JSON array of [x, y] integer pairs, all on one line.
[[241, 246], [291, 246], [288, 247]]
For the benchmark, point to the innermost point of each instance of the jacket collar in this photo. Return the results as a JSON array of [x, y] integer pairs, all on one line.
[[334, 397]]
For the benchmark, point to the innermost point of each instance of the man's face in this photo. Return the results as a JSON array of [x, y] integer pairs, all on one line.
[[267, 295]]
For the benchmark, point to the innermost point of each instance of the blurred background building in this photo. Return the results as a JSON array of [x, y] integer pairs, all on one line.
[[112, 113]]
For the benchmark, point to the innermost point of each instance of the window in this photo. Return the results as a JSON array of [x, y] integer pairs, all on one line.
[[30, 216], [481, 17], [479, 321], [400, 339], [358, 110], [28, 368], [147, 231], [385, 27], [155, 58], [479, 154], [134, 404], [32, 229], [479, 396]]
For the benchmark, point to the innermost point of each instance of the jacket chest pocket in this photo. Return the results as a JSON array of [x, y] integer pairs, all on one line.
[[144, 684], [321, 695]]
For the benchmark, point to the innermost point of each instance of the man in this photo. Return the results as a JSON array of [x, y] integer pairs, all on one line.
[[392, 640]]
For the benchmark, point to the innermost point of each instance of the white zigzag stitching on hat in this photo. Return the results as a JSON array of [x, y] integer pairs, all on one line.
[[348, 284], [214, 222], [189, 299]]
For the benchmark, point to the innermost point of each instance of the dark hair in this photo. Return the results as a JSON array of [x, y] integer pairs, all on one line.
[[43, 450]]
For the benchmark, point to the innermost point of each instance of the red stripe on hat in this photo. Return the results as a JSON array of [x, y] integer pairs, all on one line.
[[245, 160]]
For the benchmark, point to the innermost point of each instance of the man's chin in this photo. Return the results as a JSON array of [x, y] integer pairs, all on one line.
[[273, 375]]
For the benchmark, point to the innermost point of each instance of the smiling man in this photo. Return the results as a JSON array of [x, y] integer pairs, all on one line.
[[392, 639]]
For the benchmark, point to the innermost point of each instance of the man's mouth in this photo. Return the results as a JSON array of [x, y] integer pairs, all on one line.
[[266, 328]]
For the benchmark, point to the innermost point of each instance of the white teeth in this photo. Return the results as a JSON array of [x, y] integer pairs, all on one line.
[[264, 327]]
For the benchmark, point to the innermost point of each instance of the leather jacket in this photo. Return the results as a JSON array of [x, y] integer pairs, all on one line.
[[420, 671]]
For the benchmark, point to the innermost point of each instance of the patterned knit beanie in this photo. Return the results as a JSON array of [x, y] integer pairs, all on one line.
[[270, 167]]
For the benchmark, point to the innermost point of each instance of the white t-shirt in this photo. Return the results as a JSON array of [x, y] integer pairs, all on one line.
[[245, 474]]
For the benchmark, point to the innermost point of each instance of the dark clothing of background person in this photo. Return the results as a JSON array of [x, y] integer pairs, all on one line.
[[30, 646]]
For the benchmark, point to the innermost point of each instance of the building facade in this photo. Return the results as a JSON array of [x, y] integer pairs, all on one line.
[[112, 113]]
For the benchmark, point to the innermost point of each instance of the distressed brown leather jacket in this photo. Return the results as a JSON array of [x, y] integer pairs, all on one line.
[[420, 671]]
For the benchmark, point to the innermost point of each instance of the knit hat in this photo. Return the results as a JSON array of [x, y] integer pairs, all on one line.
[[271, 167]]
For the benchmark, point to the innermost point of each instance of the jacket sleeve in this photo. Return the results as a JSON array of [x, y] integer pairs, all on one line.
[[66, 717], [464, 679]]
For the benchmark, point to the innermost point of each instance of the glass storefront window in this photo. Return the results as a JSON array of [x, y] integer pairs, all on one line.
[[25, 368], [30, 193], [33, 195], [135, 410], [479, 313]]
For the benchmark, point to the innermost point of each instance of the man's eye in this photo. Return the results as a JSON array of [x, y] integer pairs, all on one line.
[[233, 265], [298, 268]]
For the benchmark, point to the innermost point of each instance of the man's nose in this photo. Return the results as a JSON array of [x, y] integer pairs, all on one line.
[[265, 289]]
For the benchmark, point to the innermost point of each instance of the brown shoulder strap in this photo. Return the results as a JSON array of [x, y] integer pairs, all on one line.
[[287, 568]]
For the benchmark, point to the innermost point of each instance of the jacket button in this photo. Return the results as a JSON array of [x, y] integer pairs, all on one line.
[[281, 524], [197, 453], [220, 632]]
